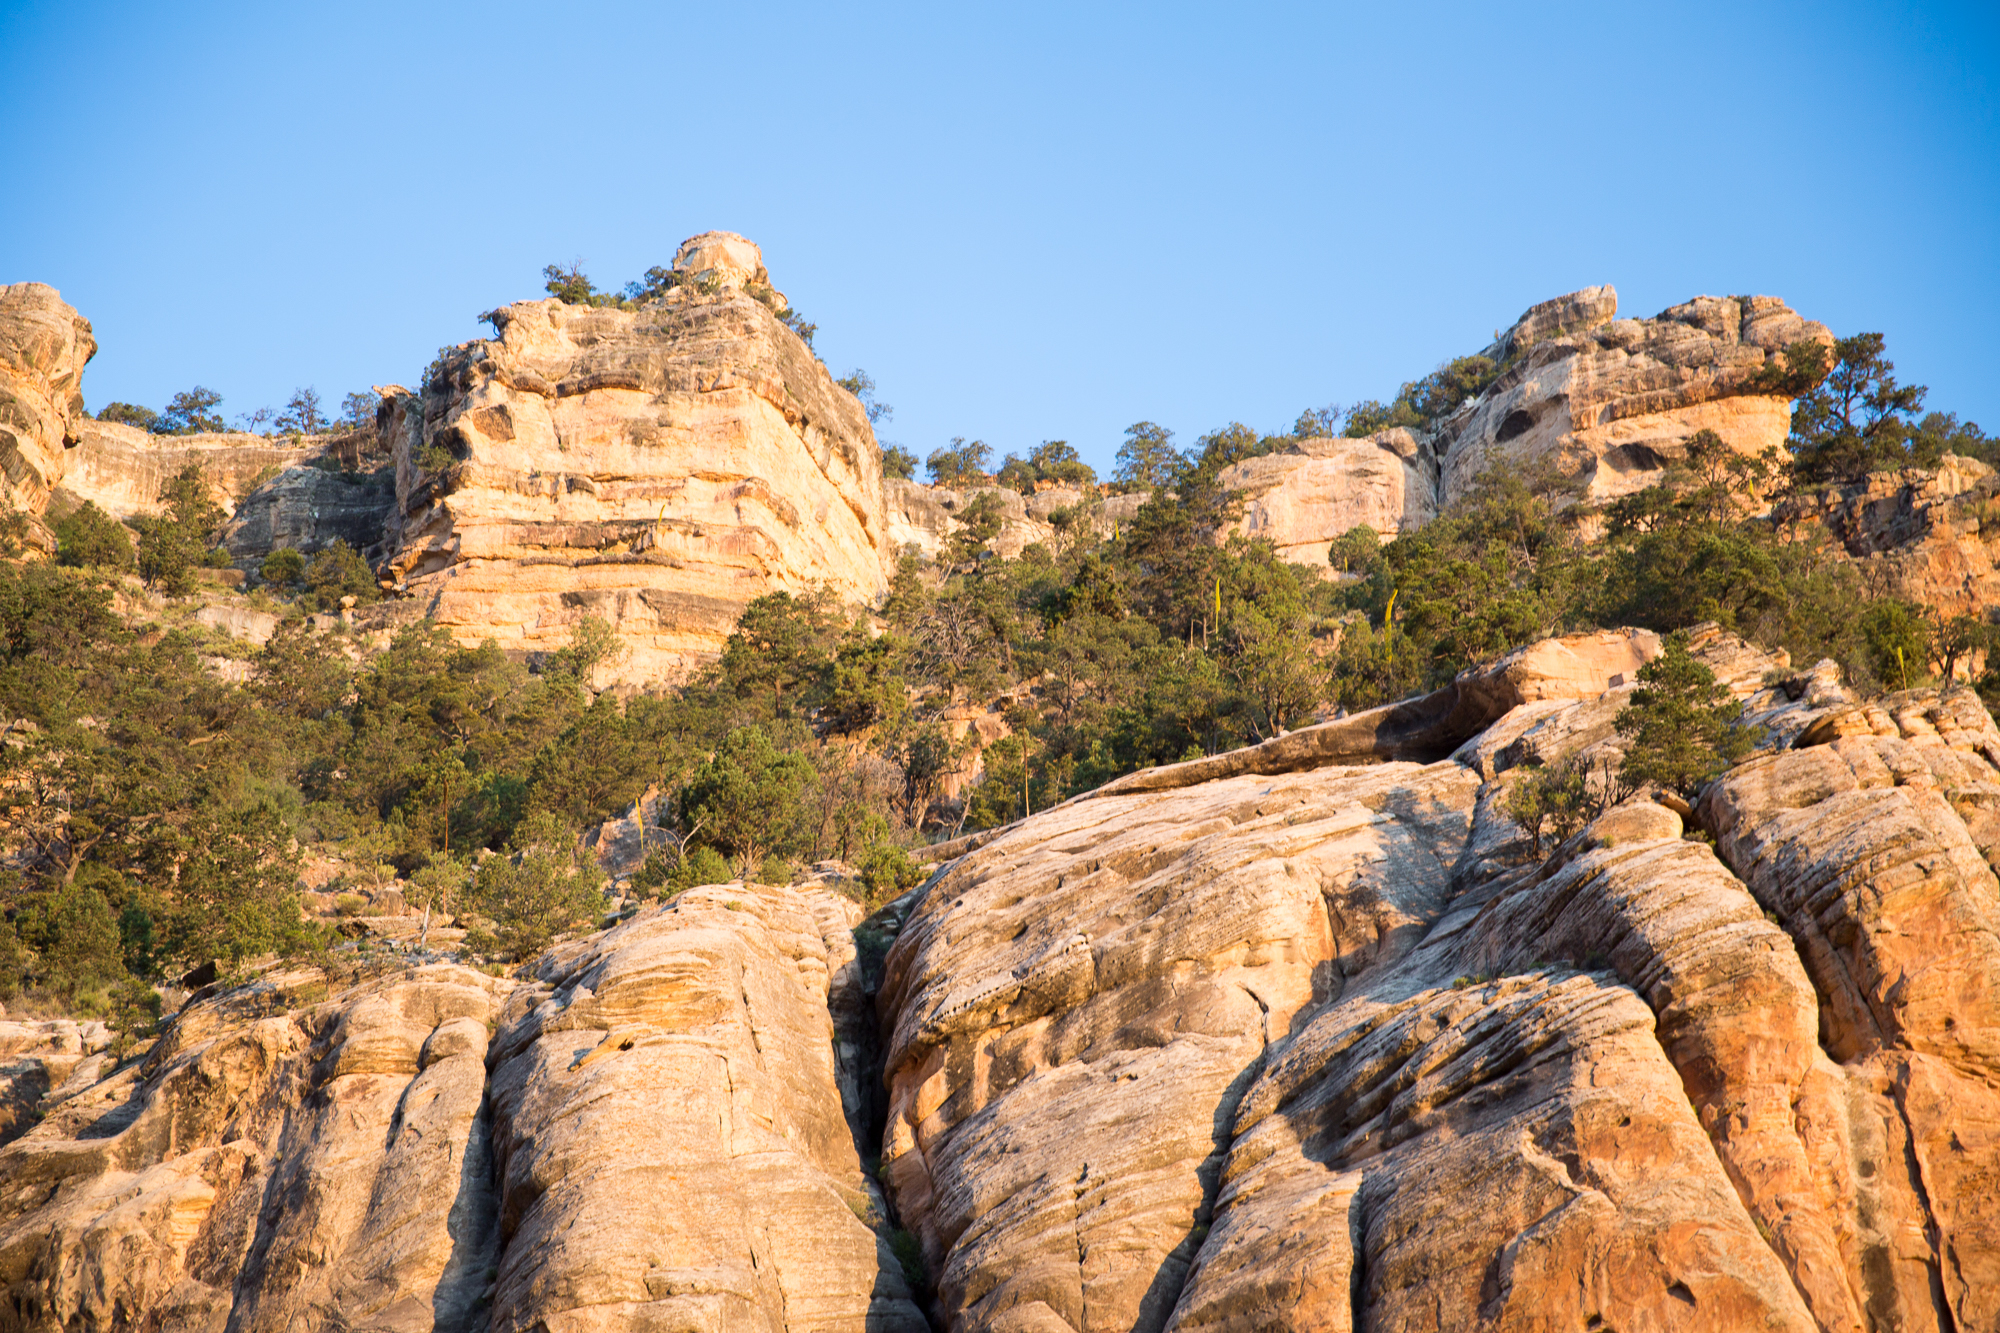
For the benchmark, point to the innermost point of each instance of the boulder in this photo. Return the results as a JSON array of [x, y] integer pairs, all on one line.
[[44, 344], [658, 466], [1607, 404]]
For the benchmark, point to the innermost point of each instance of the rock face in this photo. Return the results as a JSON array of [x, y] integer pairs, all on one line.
[[309, 509], [1922, 534], [650, 1134], [1301, 499], [659, 467], [43, 347], [1331, 1049], [925, 517], [1609, 403]]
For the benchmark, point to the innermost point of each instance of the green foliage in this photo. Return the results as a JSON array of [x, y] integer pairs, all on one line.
[[1853, 417], [898, 462], [1147, 461], [302, 414], [888, 871], [1680, 728], [1424, 403], [798, 324], [190, 412], [1898, 639], [748, 798], [174, 544], [337, 572], [569, 283], [960, 463], [130, 414], [88, 537], [1557, 800], [703, 865], [549, 885], [1053, 461], [859, 383], [357, 410], [284, 567]]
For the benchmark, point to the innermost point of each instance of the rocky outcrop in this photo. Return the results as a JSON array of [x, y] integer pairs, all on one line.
[[1302, 498], [1607, 403], [659, 467], [1921, 534], [44, 344], [925, 517], [1640, 1083], [121, 469], [309, 509], [650, 1133]]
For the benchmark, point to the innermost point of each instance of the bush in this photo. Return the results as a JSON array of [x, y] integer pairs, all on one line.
[[339, 571], [284, 567], [898, 462], [87, 536], [888, 870], [130, 414], [704, 865], [747, 800]]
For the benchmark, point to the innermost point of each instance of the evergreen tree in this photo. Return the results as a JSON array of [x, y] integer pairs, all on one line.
[[1680, 726]]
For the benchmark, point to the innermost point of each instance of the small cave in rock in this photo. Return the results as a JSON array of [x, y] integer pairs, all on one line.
[[1515, 423]]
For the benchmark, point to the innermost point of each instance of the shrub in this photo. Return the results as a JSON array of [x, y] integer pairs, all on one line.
[[130, 414], [747, 799], [898, 462], [549, 885], [339, 571], [284, 567], [888, 870], [704, 865], [87, 536]]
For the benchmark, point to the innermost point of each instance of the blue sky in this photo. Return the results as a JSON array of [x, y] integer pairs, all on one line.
[[1026, 222]]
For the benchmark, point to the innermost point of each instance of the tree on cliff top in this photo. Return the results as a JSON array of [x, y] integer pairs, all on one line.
[[191, 412]]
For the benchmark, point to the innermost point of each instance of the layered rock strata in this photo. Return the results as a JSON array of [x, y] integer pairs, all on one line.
[[659, 467], [1639, 1083], [1608, 404], [44, 345]]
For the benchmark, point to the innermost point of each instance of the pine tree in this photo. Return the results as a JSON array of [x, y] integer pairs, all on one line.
[[1680, 724]]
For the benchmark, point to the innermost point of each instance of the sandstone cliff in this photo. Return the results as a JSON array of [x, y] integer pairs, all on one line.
[[659, 467], [1923, 534], [1609, 403], [1304, 1036], [649, 1133], [43, 347]]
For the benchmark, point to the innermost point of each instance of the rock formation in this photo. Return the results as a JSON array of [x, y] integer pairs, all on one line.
[[43, 347], [659, 467], [1301, 499], [925, 517], [650, 1133], [1609, 403], [1922, 534], [1291, 1038]]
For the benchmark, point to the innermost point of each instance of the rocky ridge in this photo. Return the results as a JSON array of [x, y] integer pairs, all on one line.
[[1295, 1037]]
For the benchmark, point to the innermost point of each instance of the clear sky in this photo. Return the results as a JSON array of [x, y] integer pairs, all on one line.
[[1025, 221]]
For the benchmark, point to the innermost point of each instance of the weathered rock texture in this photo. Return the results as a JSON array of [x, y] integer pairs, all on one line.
[[652, 1134], [1301, 499], [659, 467], [1609, 403], [121, 468], [1923, 534], [43, 347], [1637, 1084]]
